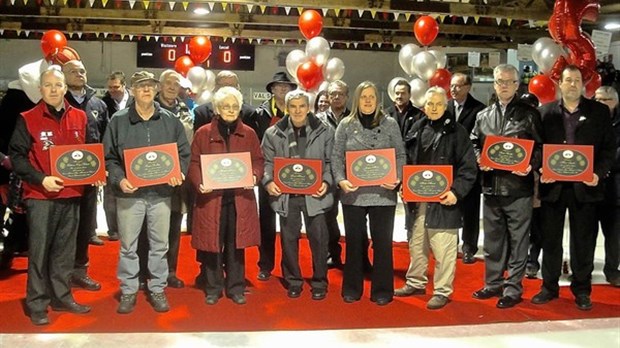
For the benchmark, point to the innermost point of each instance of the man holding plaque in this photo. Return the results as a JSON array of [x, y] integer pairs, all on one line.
[[142, 125], [573, 120], [438, 140], [507, 208], [52, 208], [300, 135]]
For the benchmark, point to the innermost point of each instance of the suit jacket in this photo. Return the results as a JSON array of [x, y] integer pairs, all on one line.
[[471, 108], [406, 119], [593, 128]]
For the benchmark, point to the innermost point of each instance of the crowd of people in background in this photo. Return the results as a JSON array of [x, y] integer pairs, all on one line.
[[523, 215]]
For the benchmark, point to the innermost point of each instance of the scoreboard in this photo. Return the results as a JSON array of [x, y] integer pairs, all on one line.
[[224, 56]]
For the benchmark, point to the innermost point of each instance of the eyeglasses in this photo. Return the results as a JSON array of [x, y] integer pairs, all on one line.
[[145, 85], [336, 94], [505, 82], [228, 108], [603, 99]]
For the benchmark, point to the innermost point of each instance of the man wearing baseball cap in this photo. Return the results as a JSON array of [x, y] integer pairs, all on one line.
[[143, 124]]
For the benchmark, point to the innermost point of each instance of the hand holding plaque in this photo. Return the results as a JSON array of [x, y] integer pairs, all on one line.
[[298, 175], [563, 162], [426, 183], [81, 164], [371, 167], [226, 170], [152, 165], [511, 154]]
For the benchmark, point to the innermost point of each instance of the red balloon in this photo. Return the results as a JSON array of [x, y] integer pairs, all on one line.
[[542, 87], [52, 42], [309, 75], [310, 24], [442, 79], [592, 85], [199, 49], [183, 64], [426, 30]]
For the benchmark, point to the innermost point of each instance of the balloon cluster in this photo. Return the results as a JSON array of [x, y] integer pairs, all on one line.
[[567, 45], [313, 68], [53, 45], [203, 81], [428, 66]]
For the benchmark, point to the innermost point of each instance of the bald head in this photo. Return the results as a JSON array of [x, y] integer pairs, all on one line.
[[75, 75]]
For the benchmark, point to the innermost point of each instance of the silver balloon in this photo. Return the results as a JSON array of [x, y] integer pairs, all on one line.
[[318, 50], [323, 86], [424, 65], [333, 70], [197, 76], [539, 45], [209, 84], [405, 57], [294, 59], [548, 56], [391, 85], [441, 58], [418, 90], [204, 97]]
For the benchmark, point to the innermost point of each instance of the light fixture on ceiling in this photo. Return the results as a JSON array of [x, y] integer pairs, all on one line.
[[612, 26], [201, 11]]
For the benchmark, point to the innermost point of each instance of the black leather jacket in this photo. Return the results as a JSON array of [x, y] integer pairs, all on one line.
[[519, 121]]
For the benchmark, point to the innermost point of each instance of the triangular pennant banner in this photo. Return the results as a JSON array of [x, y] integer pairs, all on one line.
[[131, 4], [287, 10], [27, 32], [104, 3], [122, 37], [250, 40], [441, 18], [331, 44], [52, 2], [259, 40], [156, 38], [347, 44], [360, 13], [379, 44], [324, 10], [299, 41], [224, 5], [509, 21], [498, 20], [396, 15], [465, 18], [171, 5], [182, 38], [300, 10], [19, 32], [250, 8], [185, 5], [373, 13], [105, 35], [355, 44], [79, 34], [233, 39], [148, 38], [1, 31], [531, 23], [174, 38], [262, 8], [146, 4], [91, 2], [210, 4], [12, 2], [407, 16], [476, 19], [130, 37]]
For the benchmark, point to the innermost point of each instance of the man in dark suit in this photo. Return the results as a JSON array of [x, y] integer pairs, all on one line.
[[465, 107], [573, 120], [403, 110]]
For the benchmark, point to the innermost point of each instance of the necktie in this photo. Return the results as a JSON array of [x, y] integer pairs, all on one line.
[[459, 108]]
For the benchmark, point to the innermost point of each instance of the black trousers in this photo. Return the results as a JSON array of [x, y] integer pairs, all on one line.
[[316, 232], [109, 207], [334, 248], [471, 220], [87, 227], [609, 217], [267, 248], [53, 228], [583, 231], [230, 260], [381, 222], [535, 239]]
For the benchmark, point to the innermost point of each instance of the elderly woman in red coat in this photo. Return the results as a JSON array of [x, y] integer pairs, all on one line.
[[225, 220]]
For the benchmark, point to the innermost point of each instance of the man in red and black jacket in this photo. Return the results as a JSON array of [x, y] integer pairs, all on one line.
[[52, 208]]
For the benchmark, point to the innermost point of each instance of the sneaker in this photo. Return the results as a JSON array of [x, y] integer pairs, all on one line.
[[437, 302], [408, 290], [159, 302], [128, 302], [94, 240]]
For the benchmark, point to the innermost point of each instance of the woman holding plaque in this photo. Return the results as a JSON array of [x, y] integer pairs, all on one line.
[[367, 128], [225, 220], [437, 140]]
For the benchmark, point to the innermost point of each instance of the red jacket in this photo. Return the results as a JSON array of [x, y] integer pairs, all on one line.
[[206, 219], [46, 131]]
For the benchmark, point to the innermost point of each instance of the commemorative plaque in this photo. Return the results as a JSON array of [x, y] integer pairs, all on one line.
[[81, 164], [371, 167], [227, 170], [298, 175], [505, 153], [564, 162], [152, 165], [426, 183]]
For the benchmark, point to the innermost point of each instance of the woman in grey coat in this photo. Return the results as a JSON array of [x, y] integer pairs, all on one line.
[[367, 128]]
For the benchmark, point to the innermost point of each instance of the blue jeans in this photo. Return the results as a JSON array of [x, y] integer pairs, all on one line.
[[131, 213]]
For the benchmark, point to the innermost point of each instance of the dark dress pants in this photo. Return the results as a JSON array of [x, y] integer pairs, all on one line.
[[471, 220], [109, 207], [174, 241], [381, 222], [87, 227], [608, 213], [535, 239], [317, 234], [230, 260], [267, 248], [331, 221], [53, 228], [583, 231]]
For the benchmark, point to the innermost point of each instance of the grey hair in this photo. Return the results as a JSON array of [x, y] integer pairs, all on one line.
[[436, 90], [169, 72], [338, 83], [609, 91], [52, 70], [296, 94], [226, 92], [505, 68]]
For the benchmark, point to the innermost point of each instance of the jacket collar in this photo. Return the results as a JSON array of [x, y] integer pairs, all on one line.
[[135, 118], [313, 122], [44, 107]]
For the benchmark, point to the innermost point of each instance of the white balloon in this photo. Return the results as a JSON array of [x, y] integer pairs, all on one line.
[[209, 84], [539, 45], [424, 65], [333, 70], [391, 85], [418, 90], [323, 86], [197, 76], [204, 97], [546, 54], [294, 59], [441, 58], [318, 49], [405, 57]]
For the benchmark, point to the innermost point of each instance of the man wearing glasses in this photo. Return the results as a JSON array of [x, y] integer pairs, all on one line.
[[507, 208], [142, 124]]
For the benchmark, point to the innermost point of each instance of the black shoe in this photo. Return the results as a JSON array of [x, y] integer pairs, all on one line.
[[85, 282], [113, 236], [334, 262], [94, 240], [294, 291], [614, 281], [39, 318], [350, 299], [319, 294], [263, 276], [583, 302], [508, 302], [543, 297], [201, 281], [408, 290], [159, 302], [128, 302], [484, 293], [468, 258], [71, 307], [238, 299], [382, 301], [212, 299], [531, 271], [175, 282]]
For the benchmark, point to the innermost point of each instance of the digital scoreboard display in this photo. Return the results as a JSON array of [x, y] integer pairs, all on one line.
[[224, 56]]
